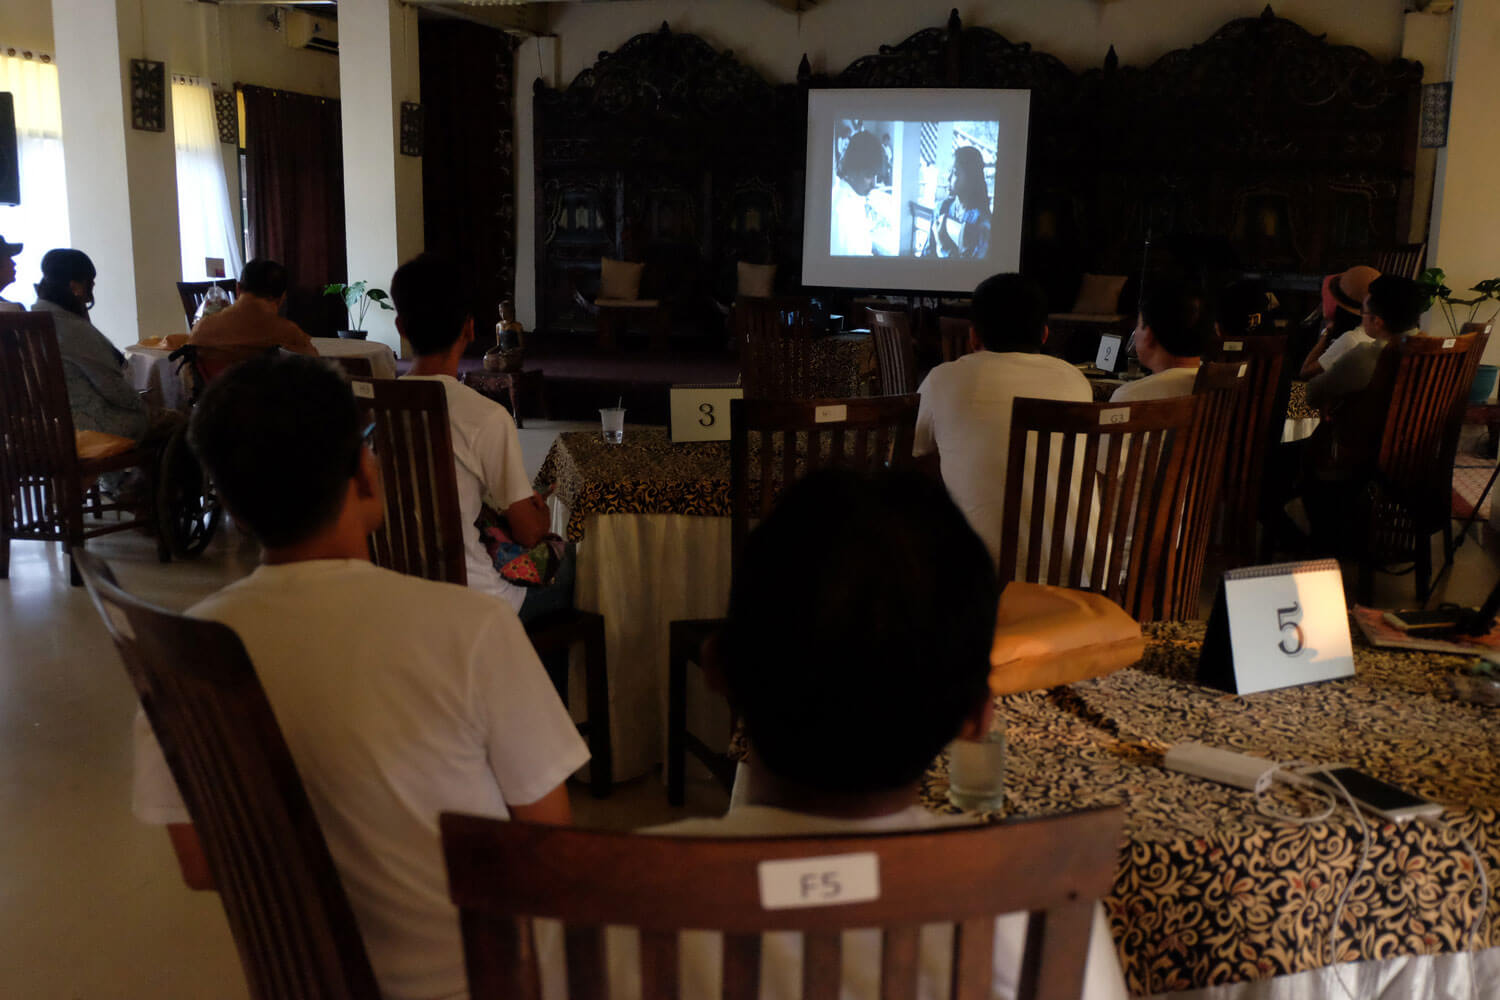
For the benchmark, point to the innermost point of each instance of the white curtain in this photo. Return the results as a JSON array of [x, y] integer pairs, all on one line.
[[41, 220], [203, 214]]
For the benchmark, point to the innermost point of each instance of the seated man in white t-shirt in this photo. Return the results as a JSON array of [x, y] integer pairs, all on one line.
[[1169, 343], [399, 698], [432, 314], [843, 723], [963, 423]]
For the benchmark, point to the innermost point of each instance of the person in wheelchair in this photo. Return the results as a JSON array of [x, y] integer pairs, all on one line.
[[252, 324]]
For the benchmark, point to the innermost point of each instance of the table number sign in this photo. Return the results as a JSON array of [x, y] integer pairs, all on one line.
[[1277, 626], [1109, 352], [833, 880], [701, 412]]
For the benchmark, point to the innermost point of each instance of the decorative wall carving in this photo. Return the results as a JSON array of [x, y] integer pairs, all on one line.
[[148, 95]]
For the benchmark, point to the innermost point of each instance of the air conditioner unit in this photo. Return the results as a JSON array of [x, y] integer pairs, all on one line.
[[303, 31]]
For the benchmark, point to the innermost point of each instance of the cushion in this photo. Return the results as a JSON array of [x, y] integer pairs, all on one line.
[[619, 279], [604, 303], [171, 341], [756, 280], [1046, 636], [1099, 294], [94, 445]]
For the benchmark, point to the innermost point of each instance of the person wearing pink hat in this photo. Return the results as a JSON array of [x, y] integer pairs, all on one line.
[[1343, 299], [8, 251]]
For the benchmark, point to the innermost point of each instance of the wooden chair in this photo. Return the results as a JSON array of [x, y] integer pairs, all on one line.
[[1414, 395], [357, 367], [772, 444], [192, 294], [895, 354], [954, 333], [1404, 260], [1224, 387], [1114, 482], [423, 535], [774, 339], [1252, 433], [47, 487], [501, 874], [291, 921]]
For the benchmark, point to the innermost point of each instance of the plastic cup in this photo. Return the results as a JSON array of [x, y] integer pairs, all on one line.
[[976, 772], [613, 421]]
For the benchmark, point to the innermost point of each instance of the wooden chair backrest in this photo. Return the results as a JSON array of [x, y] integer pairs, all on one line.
[[1120, 532], [774, 443], [895, 354], [40, 465], [954, 333], [423, 533], [1418, 385], [291, 921], [1225, 389], [773, 335], [192, 294], [502, 873], [1254, 430], [357, 367], [1404, 261]]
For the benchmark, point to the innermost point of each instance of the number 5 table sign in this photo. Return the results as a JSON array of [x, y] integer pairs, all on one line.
[[1276, 626], [701, 412]]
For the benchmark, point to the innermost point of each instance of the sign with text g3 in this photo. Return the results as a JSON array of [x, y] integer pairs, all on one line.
[[834, 880], [1276, 626], [701, 412]]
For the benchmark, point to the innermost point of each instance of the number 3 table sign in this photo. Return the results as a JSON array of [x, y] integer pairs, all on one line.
[[701, 412], [1276, 626]]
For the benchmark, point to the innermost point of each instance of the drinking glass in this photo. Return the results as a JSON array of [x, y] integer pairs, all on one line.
[[976, 771], [613, 420]]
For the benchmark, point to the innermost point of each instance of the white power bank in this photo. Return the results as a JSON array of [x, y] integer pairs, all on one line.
[[1224, 766]]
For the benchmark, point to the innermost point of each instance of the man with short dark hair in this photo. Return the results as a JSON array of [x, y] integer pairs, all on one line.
[[1392, 309], [963, 425], [253, 322], [1169, 344], [899, 646], [399, 698], [8, 251], [433, 317]]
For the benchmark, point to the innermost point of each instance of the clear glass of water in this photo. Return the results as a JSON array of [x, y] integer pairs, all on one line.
[[976, 772], [613, 420]]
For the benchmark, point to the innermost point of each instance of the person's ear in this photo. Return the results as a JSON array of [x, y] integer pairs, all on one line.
[[368, 492], [468, 334], [1046, 332], [976, 344], [979, 721], [401, 324]]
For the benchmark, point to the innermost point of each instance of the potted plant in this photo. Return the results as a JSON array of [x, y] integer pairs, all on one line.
[[1433, 282], [357, 299]]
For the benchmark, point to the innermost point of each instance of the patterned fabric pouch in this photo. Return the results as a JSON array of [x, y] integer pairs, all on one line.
[[533, 567]]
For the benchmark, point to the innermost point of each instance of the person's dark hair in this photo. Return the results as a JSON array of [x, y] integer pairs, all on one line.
[[1398, 301], [430, 303], [60, 268], [863, 155], [1173, 314], [280, 435], [862, 605], [1246, 308], [1010, 313], [264, 278], [971, 189]]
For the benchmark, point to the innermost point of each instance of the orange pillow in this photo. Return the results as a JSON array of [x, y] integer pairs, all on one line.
[[1046, 636], [91, 445], [619, 279]]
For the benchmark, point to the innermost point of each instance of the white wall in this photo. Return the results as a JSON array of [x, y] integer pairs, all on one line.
[[836, 32]]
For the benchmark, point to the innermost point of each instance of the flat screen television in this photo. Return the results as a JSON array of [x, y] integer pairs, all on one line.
[[10, 173], [913, 190]]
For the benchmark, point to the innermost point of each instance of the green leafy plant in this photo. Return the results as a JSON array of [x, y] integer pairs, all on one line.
[[1434, 284], [359, 296]]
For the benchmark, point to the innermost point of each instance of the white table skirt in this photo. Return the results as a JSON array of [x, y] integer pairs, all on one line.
[[150, 372], [1453, 976], [642, 572], [1298, 428]]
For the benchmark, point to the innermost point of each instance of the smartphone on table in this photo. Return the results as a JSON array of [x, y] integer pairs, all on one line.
[[1371, 794]]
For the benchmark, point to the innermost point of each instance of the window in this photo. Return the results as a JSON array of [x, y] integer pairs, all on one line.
[[41, 220], [203, 214]]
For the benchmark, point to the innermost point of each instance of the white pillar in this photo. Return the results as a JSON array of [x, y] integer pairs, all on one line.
[[536, 59], [122, 182], [382, 188]]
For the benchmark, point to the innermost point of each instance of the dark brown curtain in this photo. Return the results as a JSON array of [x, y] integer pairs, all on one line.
[[468, 163], [294, 183]]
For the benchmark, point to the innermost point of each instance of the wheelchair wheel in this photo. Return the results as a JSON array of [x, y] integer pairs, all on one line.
[[187, 509]]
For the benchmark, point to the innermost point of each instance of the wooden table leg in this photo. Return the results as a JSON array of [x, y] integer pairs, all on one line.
[[515, 398]]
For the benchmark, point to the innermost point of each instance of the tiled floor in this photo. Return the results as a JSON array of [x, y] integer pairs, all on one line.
[[91, 905]]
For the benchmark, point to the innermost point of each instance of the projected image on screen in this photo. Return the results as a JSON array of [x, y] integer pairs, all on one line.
[[912, 188]]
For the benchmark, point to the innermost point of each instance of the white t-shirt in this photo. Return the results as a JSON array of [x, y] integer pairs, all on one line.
[[1168, 384], [852, 235], [489, 465], [965, 415], [781, 953], [399, 698], [1348, 341]]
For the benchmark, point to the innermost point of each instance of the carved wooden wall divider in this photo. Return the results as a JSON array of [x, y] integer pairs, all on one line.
[[1264, 147]]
